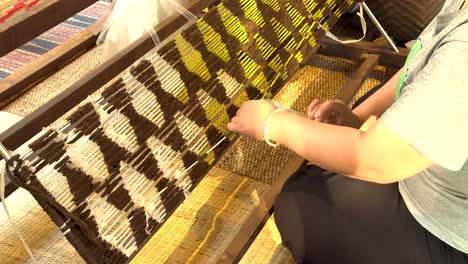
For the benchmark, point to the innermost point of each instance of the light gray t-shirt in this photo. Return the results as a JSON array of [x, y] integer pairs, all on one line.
[[431, 114]]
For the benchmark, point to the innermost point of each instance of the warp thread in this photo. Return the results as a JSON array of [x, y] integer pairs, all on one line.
[[360, 14], [4, 169]]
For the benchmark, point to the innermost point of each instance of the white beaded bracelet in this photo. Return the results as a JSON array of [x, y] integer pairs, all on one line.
[[267, 123]]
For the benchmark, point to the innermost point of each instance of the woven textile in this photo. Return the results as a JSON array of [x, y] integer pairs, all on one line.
[[203, 226], [124, 161], [51, 39], [197, 229]]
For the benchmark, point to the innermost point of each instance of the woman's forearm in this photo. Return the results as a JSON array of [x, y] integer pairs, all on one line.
[[331, 147], [380, 101]]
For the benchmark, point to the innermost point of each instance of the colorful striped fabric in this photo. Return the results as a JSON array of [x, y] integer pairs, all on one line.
[[9, 8], [51, 39]]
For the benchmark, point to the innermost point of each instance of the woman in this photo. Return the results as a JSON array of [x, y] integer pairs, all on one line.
[[397, 193]]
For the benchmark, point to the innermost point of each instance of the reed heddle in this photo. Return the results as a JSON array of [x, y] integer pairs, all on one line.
[[121, 163]]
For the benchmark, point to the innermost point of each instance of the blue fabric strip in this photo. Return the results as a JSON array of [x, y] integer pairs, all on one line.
[[34, 49], [76, 24], [46, 44], [84, 19], [3, 74]]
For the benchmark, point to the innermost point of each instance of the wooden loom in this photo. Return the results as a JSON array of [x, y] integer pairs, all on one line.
[[23, 16], [31, 125]]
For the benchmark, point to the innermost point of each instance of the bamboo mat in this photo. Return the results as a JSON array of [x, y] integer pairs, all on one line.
[[267, 247], [45, 90], [41, 234]]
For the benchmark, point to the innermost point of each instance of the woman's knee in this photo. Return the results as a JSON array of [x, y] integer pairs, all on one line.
[[302, 202], [289, 222]]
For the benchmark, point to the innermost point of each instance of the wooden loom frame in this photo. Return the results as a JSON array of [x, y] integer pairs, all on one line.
[[49, 14], [34, 22], [369, 54]]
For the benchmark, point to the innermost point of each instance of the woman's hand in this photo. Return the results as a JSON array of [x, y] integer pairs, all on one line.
[[250, 118], [333, 112]]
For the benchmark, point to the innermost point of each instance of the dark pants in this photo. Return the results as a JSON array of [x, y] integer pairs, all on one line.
[[328, 218]]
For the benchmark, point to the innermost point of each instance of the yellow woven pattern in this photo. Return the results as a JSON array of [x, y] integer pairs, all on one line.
[[195, 63]]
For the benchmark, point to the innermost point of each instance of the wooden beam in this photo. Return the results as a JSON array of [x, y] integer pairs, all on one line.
[[356, 51], [355, 82], [240, 242], [20, 29], [28, 75], [22, 131]]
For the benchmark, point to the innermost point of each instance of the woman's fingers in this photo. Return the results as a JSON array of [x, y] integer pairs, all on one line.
[[313, 107], [235, 125], [324, 111]]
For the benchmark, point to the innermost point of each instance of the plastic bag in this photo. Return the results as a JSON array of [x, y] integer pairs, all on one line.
[[131, 19]]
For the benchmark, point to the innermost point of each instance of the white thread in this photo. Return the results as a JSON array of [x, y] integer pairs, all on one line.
[[3, 168], [364, 29]]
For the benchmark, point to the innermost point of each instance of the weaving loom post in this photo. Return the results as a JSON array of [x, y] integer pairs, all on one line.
[[6, 155], [377, 24]]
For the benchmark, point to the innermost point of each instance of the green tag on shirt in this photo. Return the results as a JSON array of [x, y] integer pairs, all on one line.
[[417, 46]]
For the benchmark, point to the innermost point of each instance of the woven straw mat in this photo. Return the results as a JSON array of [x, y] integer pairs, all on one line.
[[267, 247], [323, 78], [56, 83], [40, 233]]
